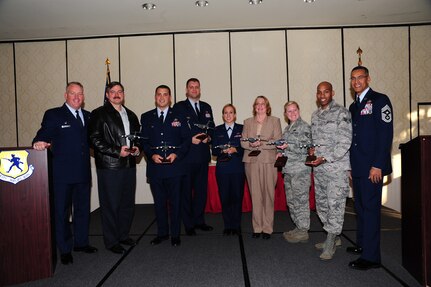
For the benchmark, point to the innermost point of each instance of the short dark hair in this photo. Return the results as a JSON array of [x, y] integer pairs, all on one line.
[[361, 68], [163, 87], [113, 84], [192, 80], [74, 83]]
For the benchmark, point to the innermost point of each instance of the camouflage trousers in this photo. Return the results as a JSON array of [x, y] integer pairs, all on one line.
[[297, 186], [331, 190]]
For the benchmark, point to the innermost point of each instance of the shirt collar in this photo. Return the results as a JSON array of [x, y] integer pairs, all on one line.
[[72, 110], [362, 95], [229, 126]]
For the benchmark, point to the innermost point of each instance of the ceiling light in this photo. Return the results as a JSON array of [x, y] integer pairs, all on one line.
[[309, 1], [149, 6], [201, 3], [254, 2]]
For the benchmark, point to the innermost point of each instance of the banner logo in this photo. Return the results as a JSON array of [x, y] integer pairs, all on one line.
[[14, 167]]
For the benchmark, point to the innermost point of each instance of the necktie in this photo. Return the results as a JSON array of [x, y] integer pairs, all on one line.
[[79, 118], [162, 118], [197, 109], [358, 101], [229, 131]]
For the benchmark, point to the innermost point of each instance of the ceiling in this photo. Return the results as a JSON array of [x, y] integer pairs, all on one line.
[[50, 19]]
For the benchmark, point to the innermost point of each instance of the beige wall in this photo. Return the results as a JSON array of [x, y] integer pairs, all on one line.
[[232, 66], [8, 126]]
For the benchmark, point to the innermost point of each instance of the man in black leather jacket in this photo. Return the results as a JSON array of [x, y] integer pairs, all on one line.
[[109, 128]]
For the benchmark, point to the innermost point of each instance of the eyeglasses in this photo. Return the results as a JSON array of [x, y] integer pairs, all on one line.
[[358, 78]]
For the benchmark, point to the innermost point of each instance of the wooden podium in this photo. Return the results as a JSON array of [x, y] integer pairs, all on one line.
[[416, 208], [26, 244]]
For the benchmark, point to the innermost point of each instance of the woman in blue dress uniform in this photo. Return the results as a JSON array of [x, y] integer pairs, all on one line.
[[226, 146]]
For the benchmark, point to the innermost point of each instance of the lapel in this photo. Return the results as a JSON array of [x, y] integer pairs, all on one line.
[[192, 110], [69, 117]]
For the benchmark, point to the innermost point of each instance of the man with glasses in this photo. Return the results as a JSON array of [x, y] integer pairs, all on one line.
[[64, 132], [370, 158], [111, 130]]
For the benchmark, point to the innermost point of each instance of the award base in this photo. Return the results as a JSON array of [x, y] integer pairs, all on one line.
[[202, 137], [254, 153], [223, 157], [310, 159], [281, 161], [166, 161]]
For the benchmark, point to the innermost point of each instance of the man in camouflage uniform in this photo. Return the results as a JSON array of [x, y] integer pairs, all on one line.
[[296, 174], [331, 129]]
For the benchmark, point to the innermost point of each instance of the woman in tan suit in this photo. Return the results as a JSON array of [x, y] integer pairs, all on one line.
[[259, 169]]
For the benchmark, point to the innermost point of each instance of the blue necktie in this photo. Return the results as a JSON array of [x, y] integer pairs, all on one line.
[[79, 119], [358, 101], [197, 109], [162, 118]]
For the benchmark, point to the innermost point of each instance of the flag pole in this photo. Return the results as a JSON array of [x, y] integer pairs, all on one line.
[[108, 78]]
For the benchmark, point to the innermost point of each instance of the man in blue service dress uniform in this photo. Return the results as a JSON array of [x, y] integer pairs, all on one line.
[[197, 115], [166, 139], [370, 158], [64, 131]]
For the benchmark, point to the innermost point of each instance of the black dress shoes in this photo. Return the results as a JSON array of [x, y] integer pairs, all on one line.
[[66, 258], [227, 232], [204, 227], [128, 241], [191, 232], [255, 235], [85, 249], [362, 264], [176, 241], [354, 250], [159, 239], [266, 236], [118, 249]]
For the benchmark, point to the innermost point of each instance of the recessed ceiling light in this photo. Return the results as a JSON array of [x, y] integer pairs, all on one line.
[[255, 2], [149, 6], [309, 1], [201, 3]]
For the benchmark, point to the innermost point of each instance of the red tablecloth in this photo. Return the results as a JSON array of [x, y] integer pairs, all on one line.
[[213, 200]]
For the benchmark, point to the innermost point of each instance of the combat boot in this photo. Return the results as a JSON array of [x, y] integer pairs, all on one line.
[[300, 235], [319, 246], [287, 233], [328, 247]]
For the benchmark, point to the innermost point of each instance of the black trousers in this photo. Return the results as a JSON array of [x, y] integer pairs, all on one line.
[[194, 195], [167, 197], [117, 188], [66, 195]]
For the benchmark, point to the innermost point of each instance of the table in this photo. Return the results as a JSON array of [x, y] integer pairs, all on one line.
[[213, 199]]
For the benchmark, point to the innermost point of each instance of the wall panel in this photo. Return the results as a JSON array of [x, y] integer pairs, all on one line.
[[206, 57], [41, 82], [259, 68], [86, 64], [385, 54], [420, 38], [147, 62], [7, 108], [314, 56]]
